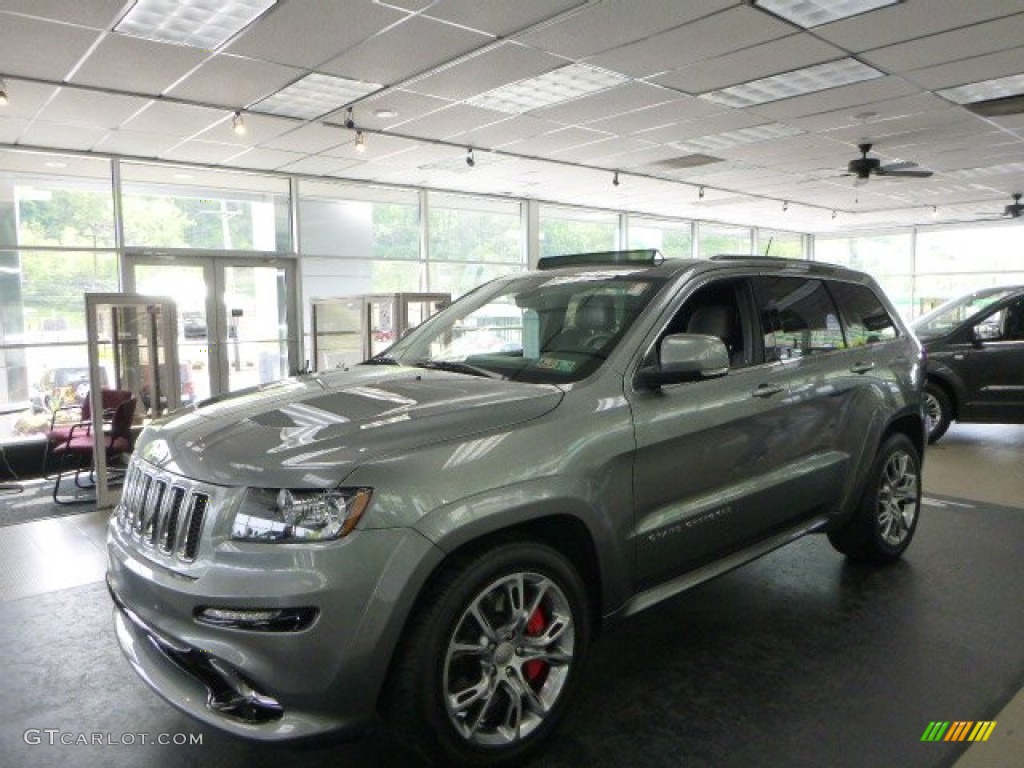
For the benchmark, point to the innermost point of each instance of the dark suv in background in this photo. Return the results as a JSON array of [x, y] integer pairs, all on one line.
[[440, 531], [975, 353]]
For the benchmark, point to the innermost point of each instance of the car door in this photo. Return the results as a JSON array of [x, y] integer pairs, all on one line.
[[993, 367], [711, 455]]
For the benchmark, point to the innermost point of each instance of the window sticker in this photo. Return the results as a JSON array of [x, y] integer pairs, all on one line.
[[556, 364]]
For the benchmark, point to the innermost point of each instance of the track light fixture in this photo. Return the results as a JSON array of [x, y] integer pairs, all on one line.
[[360, 142], [4, 101], [834, 214], [238, 124], [700, 193], [615, 179], [350, 118], [935, 211], [785, 205], [470, 160]]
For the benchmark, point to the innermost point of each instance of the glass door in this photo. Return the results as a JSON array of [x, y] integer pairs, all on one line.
[[237, 325]]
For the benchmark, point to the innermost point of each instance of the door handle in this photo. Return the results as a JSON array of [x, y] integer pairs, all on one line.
[[766, 390], [861, 367]]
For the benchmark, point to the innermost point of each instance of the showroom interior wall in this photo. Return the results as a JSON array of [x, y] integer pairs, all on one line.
[[60, 237]]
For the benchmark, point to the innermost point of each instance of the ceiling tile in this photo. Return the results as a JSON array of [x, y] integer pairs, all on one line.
[[910, 19], [681, 109], [11, 128], [41, 134], [136, 65], [202, 152], [318, 165], [398, 53], [234, 82], [870, 113], [908, 124], [973, 70], [772, 58], [91, 108], [614, 101], [450, 121], [26, 98], [608, 25], [265, 159], [494, 67], [715, 35], [964, 43], [99, 14], [41, 49], [563, 138], [500, 19], [708, 126], [845, 97], [378, 147], [175, 119], [259, 128], [310, 139], [311, 32], [135, 144], [506, 131]]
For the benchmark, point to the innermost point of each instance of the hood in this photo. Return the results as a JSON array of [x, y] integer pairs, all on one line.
[[314, 430]]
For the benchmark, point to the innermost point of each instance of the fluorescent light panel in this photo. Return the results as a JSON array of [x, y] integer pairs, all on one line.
[[820, 77], [999, 88], [813, 13], [314, 95], [551, 88], [729, 139], [205, 24]]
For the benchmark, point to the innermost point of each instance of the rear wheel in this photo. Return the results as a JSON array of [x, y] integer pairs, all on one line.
[[884, 523], [938, 412], [492, 657]]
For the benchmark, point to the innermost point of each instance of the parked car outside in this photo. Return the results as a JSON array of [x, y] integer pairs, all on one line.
[[974, 346], [440, 532], [63, 386]]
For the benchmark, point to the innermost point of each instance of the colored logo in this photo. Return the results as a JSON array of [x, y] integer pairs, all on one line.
[[958, 730]]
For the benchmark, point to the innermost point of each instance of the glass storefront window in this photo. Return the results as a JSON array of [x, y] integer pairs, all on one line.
[[474, 229], [171, 207], [785, 245], [673, 238], [567, 230], [719, 238], [459, 278]]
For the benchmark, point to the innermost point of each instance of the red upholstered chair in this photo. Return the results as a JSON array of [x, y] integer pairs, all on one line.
[[59, 433], [77, 450]]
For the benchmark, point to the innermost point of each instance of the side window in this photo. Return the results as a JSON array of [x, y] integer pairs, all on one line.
[[798, 317], [1014, 328], [864, 315], [716, 309], [1007, 324]]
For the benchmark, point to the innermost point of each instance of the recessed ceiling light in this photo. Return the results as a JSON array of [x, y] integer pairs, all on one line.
[[999, 88], [812, 13], [205, 24], [314, 95], [820, 77], [561, 85], [736, 138], [385, 113]]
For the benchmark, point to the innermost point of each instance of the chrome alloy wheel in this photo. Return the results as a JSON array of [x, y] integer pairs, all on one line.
[[898, 495], [508, 659], [932, 412]]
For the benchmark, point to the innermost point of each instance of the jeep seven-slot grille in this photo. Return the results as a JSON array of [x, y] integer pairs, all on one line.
[[163, 513]]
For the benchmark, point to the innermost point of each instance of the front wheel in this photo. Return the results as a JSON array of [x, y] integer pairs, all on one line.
[[938, 412], [884, 523], [492, 657]]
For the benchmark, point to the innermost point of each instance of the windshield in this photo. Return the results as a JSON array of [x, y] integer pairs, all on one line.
[[948, 316], [539, 328]]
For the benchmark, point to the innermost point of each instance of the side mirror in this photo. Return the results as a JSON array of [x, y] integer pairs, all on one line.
[[986, 332], [686, 357]]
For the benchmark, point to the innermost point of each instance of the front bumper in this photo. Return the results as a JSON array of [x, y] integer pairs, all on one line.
[[271, 685]]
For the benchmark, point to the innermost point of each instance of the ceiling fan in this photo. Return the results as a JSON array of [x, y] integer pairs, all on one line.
[[865, 167], [1012, 211]]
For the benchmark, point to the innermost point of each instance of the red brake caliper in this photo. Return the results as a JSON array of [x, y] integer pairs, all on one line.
[[536, 668]]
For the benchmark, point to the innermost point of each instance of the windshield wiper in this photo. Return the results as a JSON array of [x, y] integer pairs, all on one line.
[[457, 367]]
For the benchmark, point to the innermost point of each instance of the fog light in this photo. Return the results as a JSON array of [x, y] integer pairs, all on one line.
[[258, 619]]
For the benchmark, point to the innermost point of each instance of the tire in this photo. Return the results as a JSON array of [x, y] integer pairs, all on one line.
[[491, 658], [938, 411], [884, 523]]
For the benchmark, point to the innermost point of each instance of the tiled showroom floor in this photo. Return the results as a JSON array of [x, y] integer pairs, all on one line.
[[799, 659]]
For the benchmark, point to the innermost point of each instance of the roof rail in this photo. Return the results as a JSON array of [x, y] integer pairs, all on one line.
[[754, 257], [638, 257]]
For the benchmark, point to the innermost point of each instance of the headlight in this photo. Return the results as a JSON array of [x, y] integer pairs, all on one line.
[[286, 515]]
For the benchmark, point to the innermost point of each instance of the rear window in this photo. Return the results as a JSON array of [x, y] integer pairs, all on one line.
[[866, 318]]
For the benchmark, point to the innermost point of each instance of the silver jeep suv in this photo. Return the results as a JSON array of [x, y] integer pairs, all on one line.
[[438, 534]]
